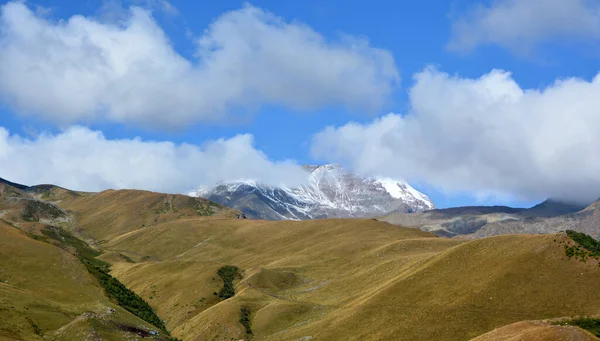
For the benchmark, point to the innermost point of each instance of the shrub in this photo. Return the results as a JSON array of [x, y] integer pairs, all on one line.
[[585, 247], [36, 328], [228, 274], [113, 288], [590, 324], [587, 242], [245, 319], [35, 209], [125, 298]]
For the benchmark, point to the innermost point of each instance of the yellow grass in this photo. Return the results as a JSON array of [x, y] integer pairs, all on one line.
[[349, 279], [44, 285], [536, 331], [111, 213], [333, 279]]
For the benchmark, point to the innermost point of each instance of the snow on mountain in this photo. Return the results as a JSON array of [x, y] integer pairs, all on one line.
[[330, 192], [404, 191]]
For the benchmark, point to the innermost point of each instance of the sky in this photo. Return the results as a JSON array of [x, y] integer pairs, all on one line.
[[472, 102]]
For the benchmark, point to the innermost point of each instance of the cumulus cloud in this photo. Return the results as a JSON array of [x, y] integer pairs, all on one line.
[[81, 69], [522, 24], [115, 11], [486, 136], [163, 6], [83, 159]]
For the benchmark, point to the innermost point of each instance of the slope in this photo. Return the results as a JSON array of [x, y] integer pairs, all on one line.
[[471, 289], [49, 290], [294, 271], [332, 279], [13, 184], [107, 214], [536, 331], [348, 279], [552, 208], [45, 292]]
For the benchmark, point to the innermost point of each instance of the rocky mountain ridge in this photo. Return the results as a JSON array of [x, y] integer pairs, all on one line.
[[550, 216], [330, 192]]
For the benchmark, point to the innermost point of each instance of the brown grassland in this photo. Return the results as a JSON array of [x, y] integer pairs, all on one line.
[[332, 279]]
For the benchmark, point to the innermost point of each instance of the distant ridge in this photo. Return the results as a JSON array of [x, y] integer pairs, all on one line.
[[552, 208], [13, 184], [549, 216]]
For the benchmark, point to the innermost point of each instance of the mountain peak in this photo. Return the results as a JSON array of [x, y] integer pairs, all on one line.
[[324, 167], [330, 191]]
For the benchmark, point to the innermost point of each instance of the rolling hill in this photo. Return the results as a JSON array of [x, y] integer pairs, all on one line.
[[46, 293], [536, 331], [330, 279]]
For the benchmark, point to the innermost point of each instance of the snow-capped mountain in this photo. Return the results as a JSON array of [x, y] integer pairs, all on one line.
[[331, 192]]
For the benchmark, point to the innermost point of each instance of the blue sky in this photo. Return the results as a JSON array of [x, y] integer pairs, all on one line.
[[426, 45]]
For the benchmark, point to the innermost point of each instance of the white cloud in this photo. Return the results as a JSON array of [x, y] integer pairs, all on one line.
[[487, 136], [82, 159], [80, 70], [116, 10], [167, 7], [522, 24]]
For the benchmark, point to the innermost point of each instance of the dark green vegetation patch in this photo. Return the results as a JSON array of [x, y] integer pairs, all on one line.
[[586, 246], [245, 319], [36, 328], [592, 325], [228, 274], [125, 297], [35, 209], [66, 240], [203, 207], [113, 288], [585, 241]]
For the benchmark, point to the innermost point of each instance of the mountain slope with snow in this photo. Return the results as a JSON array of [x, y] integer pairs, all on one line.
[[330, 192]]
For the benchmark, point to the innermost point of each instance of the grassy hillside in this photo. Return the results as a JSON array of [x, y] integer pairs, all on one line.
[[46, 293], [292, 260], [349, 280], [51, 284], [108, 214], [211, 276], [473, 288], [536, 331]]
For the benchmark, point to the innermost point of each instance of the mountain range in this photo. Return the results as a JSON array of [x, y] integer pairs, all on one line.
[[333, 192], [330, 192], [550, 216]]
